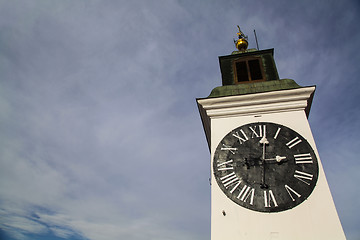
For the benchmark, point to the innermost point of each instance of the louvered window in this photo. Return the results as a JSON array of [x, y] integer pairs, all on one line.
[[248, 70]]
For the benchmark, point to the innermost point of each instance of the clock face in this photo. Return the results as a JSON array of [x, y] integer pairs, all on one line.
[[265, 167]]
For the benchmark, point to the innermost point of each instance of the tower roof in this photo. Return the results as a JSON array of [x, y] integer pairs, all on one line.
[[256, 87]]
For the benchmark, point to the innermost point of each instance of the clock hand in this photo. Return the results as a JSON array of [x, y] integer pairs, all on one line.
[[278, 159], [263, 141]]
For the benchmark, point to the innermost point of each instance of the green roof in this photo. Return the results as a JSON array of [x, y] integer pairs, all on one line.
[[256, 87]]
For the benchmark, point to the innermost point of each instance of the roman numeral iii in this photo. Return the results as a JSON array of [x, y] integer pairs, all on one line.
[[303, 158]]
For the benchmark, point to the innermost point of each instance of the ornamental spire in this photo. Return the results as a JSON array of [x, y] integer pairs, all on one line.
[[242, 43]]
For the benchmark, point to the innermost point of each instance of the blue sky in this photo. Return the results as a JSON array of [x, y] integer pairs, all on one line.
[[100, 134]]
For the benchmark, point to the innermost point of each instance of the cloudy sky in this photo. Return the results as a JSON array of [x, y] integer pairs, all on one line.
[[100, 136]]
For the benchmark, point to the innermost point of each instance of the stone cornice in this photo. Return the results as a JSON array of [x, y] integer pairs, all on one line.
[[253, 104]]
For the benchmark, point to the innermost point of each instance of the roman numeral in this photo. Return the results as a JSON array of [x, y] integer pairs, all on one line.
[[236, 185], [294, 142], [228, 148], [302, 176], [277, 133], [224, 167], [229, 179], [262, 131], [291, 191], [242, 138], [303, 158], [245, 192], [268, 198]]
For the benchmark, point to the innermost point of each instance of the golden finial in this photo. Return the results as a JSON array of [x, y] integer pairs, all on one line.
[[242, 43]]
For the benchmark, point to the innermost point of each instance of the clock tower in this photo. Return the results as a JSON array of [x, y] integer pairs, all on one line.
[[267, 180]]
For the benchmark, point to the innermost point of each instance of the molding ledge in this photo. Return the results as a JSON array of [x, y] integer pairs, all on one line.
[[253, 104]]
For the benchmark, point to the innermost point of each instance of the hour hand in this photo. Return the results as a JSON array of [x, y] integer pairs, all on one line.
[[278, 159]]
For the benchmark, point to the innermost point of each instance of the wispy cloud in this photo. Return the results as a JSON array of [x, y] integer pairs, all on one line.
[[100, 135]]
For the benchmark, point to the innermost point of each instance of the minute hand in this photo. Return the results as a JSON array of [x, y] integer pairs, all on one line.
[[263, 141]]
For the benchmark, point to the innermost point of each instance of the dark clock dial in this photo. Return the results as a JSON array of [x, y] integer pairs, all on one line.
[[265, 167]]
